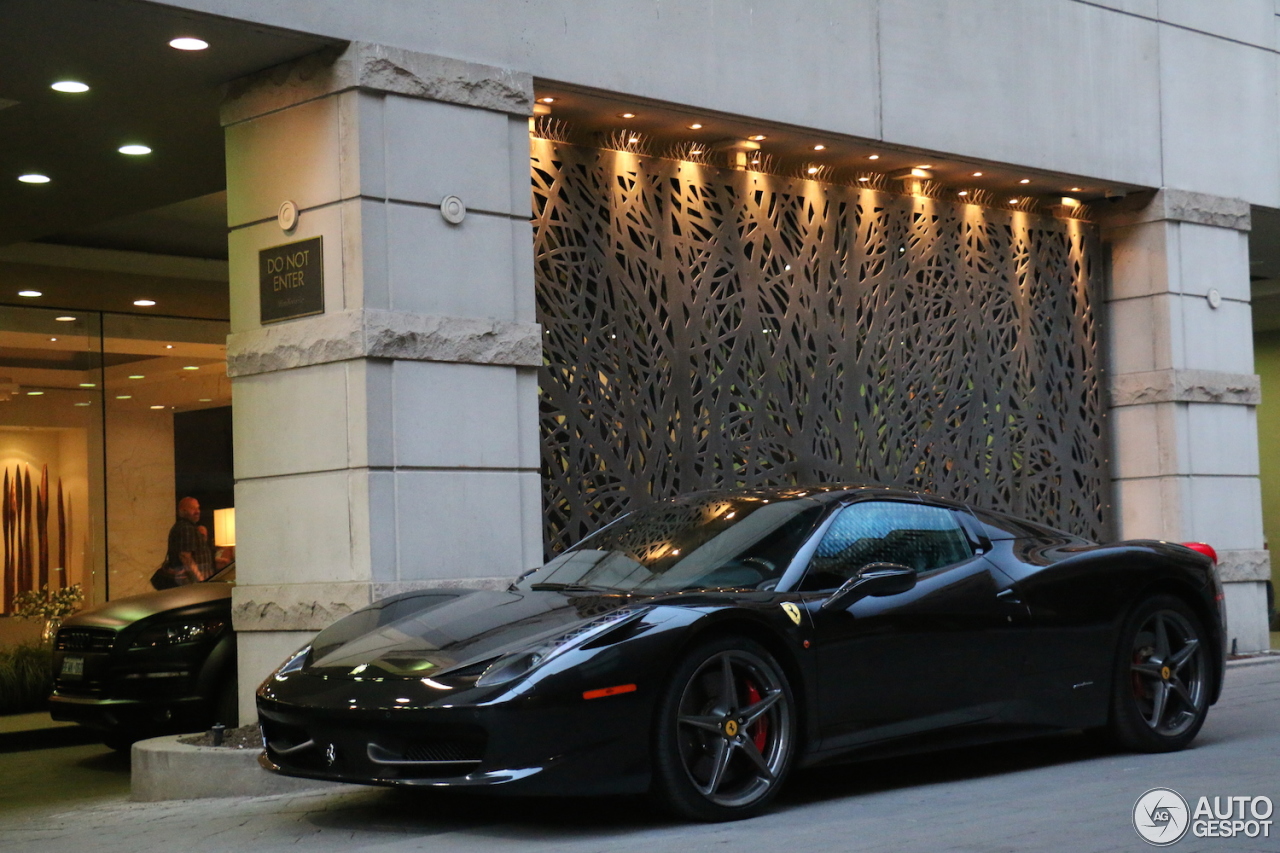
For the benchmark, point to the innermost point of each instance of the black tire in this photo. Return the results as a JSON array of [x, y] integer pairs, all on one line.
[[1163, 672], [725, 735]]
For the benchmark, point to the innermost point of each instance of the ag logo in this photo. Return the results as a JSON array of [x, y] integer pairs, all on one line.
[[1160, 816], [792, 611]]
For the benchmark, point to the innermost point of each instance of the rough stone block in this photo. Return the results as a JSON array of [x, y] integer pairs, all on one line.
[[344, 335], [378, 68]]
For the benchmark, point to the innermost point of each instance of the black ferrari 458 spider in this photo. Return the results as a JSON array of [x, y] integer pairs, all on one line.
[[702, 648]]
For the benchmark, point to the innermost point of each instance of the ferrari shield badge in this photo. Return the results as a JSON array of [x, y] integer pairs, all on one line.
[[792, 611]]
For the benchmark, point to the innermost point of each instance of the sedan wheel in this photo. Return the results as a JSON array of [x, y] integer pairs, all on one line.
[[1161, 693], [726, 732]]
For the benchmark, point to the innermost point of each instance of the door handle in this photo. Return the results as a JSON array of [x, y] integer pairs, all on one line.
[[1008, 596]]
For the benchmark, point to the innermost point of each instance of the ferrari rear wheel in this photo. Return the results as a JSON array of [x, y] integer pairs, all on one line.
[[1161, 690], [725, 733]]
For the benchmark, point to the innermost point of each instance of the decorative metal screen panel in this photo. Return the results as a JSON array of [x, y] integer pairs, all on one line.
[[710, 327]]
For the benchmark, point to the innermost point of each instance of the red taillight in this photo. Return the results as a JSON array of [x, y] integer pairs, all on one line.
[[1204, 548]]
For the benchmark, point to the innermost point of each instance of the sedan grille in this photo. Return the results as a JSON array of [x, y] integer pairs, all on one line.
[[85, 640]]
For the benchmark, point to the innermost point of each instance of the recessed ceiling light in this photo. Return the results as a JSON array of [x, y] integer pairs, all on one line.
[[134, 150], [626, 115], [925, 166], [547, 100], [812, 170], [755, 161], [1013, 201], [819, 147], [82, 404], [759, 137], [53, 340], [696, 126], [695, 151], [157, 407], [88, 385], [30, 294], [124, 396], [144, 303], [874, 157], [64, 319], [1025, 181], [633, 139], [963, 192], [34, 393], [137, 376], [168, 346], [206, 399], [34, 178], [190, 367], [73, 87], [864, 179], [188, 43], [1075, 189], [977, 174]]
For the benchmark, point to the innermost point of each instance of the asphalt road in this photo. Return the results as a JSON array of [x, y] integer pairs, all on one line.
[[1055, 794]]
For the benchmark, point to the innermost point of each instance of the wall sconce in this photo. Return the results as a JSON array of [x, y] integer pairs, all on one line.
[[224, 527], [913, 179]]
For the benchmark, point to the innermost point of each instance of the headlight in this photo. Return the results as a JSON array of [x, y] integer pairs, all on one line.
[[177, 633], [295, 662], [511, 666]]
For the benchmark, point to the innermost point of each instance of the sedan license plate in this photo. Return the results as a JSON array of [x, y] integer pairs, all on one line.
[[72, 667]]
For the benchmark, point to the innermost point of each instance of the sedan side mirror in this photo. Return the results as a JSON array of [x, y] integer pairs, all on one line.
[[874, 579]]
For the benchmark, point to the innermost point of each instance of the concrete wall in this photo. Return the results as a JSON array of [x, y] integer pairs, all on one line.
[[1135, 91]]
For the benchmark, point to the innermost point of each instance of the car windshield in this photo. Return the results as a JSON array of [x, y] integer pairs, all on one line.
[[698, 542]]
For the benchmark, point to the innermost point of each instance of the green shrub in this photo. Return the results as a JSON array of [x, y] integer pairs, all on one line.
[[26, 678]]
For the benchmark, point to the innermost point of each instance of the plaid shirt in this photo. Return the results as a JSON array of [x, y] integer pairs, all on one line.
[[184, 536]]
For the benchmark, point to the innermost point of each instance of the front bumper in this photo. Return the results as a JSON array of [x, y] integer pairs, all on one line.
[[522, 747], [128, 715]]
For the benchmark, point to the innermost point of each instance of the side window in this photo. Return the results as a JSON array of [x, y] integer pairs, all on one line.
[[915, 535]]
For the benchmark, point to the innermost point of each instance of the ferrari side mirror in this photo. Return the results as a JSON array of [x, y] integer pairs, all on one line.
[[874, 579]]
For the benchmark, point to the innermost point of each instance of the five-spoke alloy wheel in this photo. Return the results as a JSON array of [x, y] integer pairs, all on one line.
[[1163, 672], [725, 733]]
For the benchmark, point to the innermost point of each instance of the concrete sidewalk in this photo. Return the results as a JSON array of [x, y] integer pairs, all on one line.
[[1047, 795]]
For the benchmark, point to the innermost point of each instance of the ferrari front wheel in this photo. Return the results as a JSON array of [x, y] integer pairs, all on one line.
[[726, 732], [1160, 695]]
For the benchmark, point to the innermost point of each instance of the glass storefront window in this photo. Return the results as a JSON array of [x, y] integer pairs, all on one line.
[[111, 418]]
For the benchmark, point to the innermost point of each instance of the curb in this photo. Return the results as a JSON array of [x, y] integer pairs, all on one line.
[[1255, 660], [164, 769]]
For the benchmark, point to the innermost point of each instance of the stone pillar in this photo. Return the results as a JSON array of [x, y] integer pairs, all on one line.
[[1183, 392], [390, 442]]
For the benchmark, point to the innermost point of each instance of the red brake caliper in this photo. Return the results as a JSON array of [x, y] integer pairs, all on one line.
[[760, 728]]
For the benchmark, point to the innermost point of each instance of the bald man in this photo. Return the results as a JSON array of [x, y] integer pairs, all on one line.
[[190, 556]]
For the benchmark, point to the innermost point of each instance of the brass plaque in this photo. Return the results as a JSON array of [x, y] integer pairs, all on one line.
[[291, 281]]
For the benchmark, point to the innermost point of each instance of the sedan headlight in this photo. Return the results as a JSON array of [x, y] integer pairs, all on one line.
[[513, 665], [178, 633]]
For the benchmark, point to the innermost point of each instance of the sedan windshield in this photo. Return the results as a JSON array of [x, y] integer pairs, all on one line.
[[698, 542]]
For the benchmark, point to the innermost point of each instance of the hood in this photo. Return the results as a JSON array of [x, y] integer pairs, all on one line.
[[120, 612], [433, 632]]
